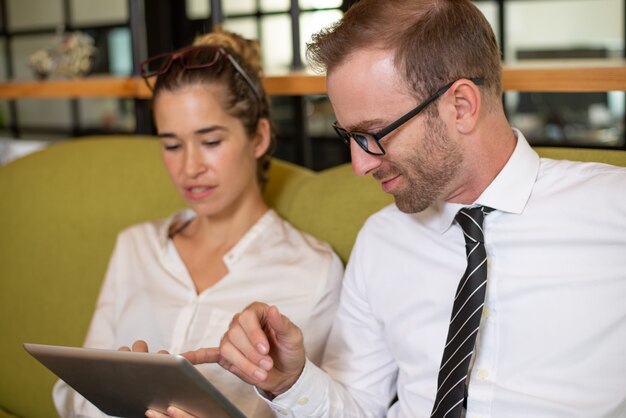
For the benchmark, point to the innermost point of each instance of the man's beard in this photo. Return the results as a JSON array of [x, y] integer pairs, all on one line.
[[428, 168]]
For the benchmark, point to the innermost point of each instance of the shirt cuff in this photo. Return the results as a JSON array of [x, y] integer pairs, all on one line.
[[305, 397]]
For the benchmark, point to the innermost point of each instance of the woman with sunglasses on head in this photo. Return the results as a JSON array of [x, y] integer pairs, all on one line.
[[177, 283]]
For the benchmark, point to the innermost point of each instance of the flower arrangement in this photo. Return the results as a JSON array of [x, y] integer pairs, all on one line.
[[71, 58]]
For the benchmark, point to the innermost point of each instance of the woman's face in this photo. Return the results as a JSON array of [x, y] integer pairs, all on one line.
[[207, 152]]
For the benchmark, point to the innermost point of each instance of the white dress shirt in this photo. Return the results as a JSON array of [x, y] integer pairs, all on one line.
[[148, 294], [552, 341]]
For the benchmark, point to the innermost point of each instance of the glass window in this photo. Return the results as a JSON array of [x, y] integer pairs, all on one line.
[[320, 117], [120, 52], [198, 9], [275, 5], [49, 113], [320, 4], [86, 12], [490, 10], [108, 114], [571, 119], [313, 22], [33, 14], [538, 25], [593, 29], [276, 42], [23, 47], [3, 61], [238, 7], [247, 27]]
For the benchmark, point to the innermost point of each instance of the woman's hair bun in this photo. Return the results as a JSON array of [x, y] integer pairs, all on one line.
[[248, 50]]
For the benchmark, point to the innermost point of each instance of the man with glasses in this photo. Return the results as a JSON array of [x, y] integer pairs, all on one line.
[[494, 286]]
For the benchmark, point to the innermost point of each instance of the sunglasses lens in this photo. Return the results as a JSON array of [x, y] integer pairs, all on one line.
[[155, 65], [200, 57]]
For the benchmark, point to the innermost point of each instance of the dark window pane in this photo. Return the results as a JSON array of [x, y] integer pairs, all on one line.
[[572, 119]]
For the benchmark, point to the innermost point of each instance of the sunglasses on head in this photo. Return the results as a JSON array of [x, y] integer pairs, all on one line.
[[188, 59]]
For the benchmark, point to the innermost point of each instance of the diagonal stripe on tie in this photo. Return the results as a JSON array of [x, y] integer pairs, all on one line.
[[465, 317]]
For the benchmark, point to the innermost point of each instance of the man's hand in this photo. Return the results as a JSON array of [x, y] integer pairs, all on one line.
[[262, 347]]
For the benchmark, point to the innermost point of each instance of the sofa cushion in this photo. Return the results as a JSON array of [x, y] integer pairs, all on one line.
[[333, 205]]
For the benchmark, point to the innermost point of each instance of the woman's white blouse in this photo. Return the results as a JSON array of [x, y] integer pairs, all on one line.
[[148, 294]]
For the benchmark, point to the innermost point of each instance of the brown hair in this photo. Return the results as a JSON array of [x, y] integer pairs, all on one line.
[[240, 100], [435, 42]]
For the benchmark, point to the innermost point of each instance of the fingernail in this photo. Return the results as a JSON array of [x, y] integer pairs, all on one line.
[[266, 364], [262, 349], [260, 374], [149, 413]]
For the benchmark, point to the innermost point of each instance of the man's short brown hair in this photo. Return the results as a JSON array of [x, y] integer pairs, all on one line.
[[435, 42]]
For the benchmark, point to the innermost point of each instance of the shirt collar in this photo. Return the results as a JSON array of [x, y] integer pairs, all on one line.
[[180, 218], [508, 192], [177, 220]]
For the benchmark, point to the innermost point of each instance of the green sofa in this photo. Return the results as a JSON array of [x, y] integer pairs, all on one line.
[[61, 209]]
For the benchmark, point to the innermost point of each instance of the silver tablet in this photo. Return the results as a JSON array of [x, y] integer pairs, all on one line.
[[125, 384]]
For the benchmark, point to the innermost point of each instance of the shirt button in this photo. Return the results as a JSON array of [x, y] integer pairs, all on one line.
[[303, 400], [282, 411], [483, 374]]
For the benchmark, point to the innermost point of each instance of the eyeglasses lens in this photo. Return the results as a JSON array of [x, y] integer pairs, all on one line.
[[363, 141]]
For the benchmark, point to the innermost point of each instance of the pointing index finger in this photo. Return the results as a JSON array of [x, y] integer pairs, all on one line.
[[203, 355]]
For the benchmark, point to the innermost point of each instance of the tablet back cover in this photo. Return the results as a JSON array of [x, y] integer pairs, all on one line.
[[126, 384]]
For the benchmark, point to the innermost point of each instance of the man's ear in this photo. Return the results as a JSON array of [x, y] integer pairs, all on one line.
[[262, 137], [467, 103]]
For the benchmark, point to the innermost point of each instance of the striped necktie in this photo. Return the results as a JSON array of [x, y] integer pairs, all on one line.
[[465, 318]]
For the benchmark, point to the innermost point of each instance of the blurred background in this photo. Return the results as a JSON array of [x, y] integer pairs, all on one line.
[[126, 31]]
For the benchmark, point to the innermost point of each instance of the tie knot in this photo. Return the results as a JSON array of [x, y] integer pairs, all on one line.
[[471, 221]]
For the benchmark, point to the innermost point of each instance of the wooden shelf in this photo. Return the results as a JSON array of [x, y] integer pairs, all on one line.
[[561, 76], [566, 76], [81, 87]]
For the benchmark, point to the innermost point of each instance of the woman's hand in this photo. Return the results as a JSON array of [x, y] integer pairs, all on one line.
[[140, 346], [172, 412]]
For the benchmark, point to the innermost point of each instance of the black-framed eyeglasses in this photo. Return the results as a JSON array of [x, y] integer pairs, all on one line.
[[370, 141], [161, 64]]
